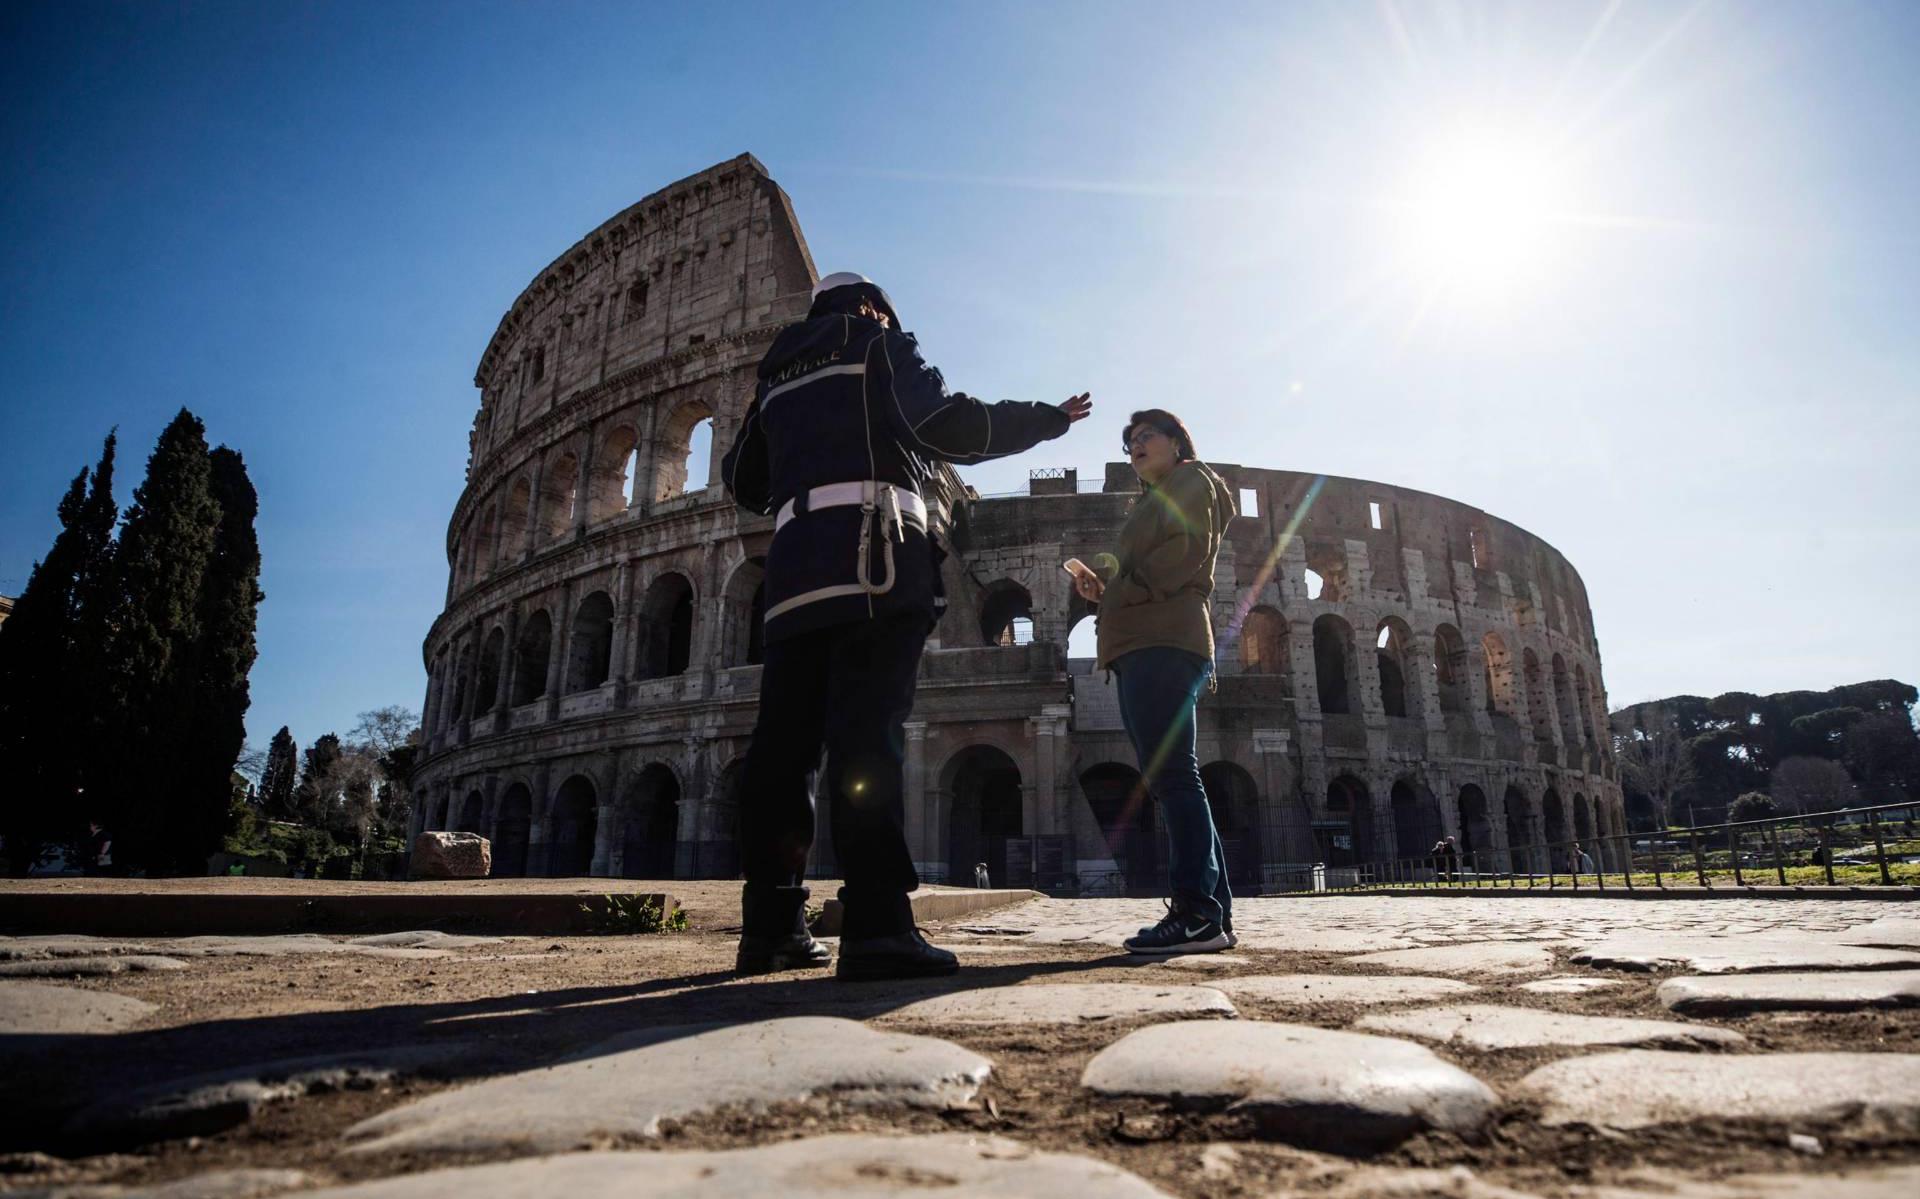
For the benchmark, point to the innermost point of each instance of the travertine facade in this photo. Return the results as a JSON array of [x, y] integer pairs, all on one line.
[[592, 680]]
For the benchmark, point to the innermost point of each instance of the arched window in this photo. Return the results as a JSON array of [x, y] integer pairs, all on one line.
[[1263, 643], [1345, 837], [1537, 713], [1450, 668], [1083, 638], [559, 491], [674, 449], [1393, 651], [469, 821], [983, 785], [614, 463], [650, 824], [1234, 799], [1333, 663], [513, 520], [666, 627], [1124, 812], [492, 655], [589, 656], [1476, 830], [512, 827], [530, 655], [1500, 681], [1416, 819], [572, 829], [746, 614], [462, 680], [1006, 609]]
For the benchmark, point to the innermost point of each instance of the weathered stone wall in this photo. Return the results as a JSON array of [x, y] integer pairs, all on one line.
[[592, 680]]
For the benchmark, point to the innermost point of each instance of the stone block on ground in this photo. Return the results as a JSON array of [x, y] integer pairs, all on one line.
[[203, 1104], [1845, 990], [1881, 1182], [1570, 984], [42, 1009], [628, 1085], [218, 1184], [450, 855], [1888, 932], [1740, 954], [1339, 1091], [1313, 990], [1636, 1088], [100, 967], [1065, 1003], [829, 1167], [1482, 957], [1491, 1026]]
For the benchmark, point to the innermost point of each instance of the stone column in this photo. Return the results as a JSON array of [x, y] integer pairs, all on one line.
[[691, 819], [1287, 838], [914, 794], [558, 650], [1497, 829], [617, 656], [471, 699], [1428, 682], [533, 530], [503, 693], [583, 483], [537, 822]]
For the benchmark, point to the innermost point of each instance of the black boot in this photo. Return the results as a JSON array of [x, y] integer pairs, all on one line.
[[773, 932], [878, 940]]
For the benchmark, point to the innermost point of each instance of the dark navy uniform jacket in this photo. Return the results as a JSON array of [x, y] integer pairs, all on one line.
[[843, 399]]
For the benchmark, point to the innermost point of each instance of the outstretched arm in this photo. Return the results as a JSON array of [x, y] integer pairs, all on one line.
[[953, 425]]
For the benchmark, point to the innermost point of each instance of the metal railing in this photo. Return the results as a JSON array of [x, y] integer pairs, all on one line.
[[1868, 846]]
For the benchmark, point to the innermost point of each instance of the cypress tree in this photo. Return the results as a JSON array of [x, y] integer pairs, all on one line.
[[276, 782], [50, 689], [222, 657], [165, 551]]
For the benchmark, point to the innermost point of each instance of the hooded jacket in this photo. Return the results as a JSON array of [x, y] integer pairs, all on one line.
[[1159, 584], [843, 399]]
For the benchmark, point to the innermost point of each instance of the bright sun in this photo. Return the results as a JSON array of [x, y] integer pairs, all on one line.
[[1477, 214]]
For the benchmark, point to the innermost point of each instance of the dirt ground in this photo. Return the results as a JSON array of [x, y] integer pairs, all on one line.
[[527, 1001]]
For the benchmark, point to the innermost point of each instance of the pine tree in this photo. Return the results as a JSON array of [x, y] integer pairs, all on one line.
[[166, 549], [50, 688], [276, 783], [314, 799]]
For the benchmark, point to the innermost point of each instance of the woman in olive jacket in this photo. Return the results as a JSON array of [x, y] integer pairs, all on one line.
[[1155, 634]]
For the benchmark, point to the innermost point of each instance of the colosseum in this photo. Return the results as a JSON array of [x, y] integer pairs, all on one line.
[[1394, 665]]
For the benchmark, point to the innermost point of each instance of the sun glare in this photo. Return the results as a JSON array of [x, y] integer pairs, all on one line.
[[1477, 215]]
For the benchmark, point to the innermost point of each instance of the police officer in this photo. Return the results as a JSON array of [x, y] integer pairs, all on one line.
[[838, 446]]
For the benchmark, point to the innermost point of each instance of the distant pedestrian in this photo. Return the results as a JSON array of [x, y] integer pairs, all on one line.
[[1155, 634], [1445, 858], [99, 849], [1582, 862], [839, 446], [980, 876]]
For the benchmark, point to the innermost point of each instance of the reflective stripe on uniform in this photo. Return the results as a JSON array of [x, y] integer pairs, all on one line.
[[857, 368]]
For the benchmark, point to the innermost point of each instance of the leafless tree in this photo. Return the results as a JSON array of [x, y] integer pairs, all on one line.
[[1811, 786], [1656, 760], [384, 730]]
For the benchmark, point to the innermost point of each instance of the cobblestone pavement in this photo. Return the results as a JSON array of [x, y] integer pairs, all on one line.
[[1476, 1047]]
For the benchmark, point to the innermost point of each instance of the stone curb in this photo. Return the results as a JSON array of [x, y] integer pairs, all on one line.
[[1894, 893], [929, 906], [170, 914]]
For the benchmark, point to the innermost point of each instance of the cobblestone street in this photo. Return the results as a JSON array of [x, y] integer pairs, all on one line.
[[1349, 1045]]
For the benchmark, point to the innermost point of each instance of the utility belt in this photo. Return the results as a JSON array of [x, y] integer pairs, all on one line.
[[887, 505]]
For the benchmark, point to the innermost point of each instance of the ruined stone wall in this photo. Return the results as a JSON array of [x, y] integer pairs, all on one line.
[[593, 677]]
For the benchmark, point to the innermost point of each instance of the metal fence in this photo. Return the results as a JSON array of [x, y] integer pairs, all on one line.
[[1869, 846]]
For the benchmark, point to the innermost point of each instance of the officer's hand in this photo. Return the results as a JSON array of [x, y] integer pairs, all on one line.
[[1089, 586], [1078, 408]]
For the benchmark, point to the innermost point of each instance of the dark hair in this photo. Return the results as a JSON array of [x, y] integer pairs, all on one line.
[[1167, 423]]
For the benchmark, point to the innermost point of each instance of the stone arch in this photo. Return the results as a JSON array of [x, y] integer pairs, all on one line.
[[671, 446], [1005, 604], [559, 493], [650, 823], [744, 641], [470, 809], [1501, 686], [615, 460], [1537, 712], [1083, 641], [513, 519], [1345, 835], [481, 562], [1393, 653], [1555, 824], [493, 654], [1264, 644], [590, 645], [1118, 798], [442, 817], [1582, 820], [572, 826], [1333, 664], [1416, 819], [1476, 825], [985, 809], [666, 626], [1234, 799], [1450, 668], [530, 658], [1519, 826], [512, 829], [1563, 700]]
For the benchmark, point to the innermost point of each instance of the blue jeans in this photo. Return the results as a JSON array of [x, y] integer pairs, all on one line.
[[1159, 687]]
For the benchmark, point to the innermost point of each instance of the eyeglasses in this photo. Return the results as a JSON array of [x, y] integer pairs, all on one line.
[[1146, 434]]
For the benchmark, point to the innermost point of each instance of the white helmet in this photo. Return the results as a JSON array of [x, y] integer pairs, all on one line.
[[840, 279]]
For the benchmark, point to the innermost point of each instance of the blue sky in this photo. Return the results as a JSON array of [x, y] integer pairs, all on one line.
[[1642, 278]]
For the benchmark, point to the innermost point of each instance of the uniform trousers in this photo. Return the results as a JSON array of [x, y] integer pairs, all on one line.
[[847, 689]]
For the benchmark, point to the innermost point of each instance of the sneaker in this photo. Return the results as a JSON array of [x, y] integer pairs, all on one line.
[[1180, 932], [1226, 926]]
